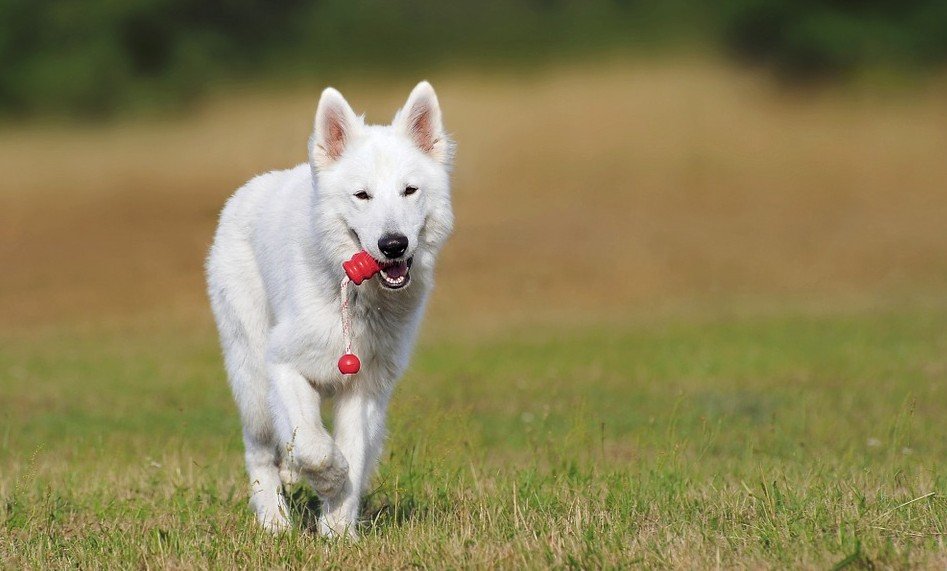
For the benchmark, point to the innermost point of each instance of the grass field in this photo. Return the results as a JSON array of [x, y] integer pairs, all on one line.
[[781, 441], [737, 359]]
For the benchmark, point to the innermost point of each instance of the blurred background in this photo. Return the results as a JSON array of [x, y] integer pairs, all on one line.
[[616, 157]]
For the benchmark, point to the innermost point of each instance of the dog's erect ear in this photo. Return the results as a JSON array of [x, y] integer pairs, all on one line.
[[420, 120], [335, 126]]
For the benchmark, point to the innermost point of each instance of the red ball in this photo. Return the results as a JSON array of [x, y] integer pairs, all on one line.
[[349, 364]]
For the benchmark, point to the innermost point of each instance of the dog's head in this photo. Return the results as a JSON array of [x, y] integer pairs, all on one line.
[[388, 185]]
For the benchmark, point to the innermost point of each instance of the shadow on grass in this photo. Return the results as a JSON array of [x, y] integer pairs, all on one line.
[[380, 510], [304, 506]]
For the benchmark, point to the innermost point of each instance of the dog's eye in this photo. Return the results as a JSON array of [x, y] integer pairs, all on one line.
[[362, 195], [409, 190]]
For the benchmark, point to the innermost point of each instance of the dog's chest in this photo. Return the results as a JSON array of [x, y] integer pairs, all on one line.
[[382, 338]]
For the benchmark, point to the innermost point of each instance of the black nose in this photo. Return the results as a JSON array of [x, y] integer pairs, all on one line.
[[393, 245]]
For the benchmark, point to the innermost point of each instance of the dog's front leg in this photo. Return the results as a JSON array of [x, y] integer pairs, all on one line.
[[305, 443], [359, 433]]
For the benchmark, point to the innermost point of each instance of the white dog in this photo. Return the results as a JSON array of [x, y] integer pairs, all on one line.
[[273, 276]]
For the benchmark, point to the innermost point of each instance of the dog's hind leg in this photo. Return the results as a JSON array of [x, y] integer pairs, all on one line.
[[266, 495]]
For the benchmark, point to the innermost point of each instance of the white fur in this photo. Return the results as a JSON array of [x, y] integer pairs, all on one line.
[[273, 278]]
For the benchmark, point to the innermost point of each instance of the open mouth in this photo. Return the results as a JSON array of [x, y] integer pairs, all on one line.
[[394, 275]]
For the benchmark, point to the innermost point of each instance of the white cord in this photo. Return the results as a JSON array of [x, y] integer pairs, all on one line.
[[346, 318]]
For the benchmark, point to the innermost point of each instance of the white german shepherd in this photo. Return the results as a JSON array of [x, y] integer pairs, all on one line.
[[273, 276]]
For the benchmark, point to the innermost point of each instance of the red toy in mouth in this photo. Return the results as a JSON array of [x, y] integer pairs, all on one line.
[[362, 266]]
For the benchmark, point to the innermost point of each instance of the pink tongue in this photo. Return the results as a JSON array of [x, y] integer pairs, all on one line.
[[395, 271]]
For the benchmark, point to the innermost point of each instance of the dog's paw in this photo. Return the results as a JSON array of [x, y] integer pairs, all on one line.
[[321, 463], [328, 479], [288, 474], [273, 516], [337, 529], [276, 525]]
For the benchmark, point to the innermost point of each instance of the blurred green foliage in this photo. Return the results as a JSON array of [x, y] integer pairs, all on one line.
[[94, 57], [835, 37]]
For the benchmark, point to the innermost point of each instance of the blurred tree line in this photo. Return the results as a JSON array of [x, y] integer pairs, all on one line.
[[833, 37], [96, 57]]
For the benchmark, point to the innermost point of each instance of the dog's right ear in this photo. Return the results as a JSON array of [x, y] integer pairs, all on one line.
[[335, 126]]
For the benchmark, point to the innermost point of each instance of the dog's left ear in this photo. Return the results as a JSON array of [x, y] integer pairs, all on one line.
[[420, 120]]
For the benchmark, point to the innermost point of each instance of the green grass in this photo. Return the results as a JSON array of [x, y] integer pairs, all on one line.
[[782, 441]]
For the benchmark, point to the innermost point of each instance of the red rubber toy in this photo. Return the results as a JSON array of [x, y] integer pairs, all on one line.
[[349, 364], [361, 267]]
